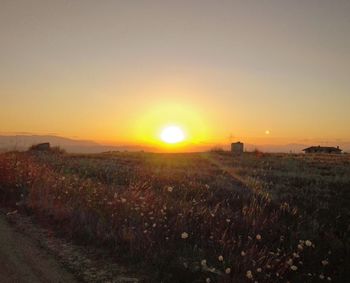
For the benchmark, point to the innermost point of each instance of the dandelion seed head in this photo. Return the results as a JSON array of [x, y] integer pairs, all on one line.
[[184, 235], [249, 274], [308, 243]]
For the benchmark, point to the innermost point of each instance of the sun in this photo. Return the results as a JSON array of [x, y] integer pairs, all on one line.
[[172, 134]]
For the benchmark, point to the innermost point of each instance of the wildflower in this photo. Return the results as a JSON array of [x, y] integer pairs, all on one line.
[[296, 255], [221, 258], [184, 235], [268, 266], [329, 279], [321, 276], [249, 274], [203, 262], [207, 280], [228, 220], [294, 267], [170, 189], [258, 237], [300, 247], [324, 262], [243, 253], [228, 270], [123, 200], [258, 270], [308, 243], [290, 261]]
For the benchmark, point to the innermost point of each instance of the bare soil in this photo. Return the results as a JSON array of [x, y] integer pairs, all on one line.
[[22, 260]]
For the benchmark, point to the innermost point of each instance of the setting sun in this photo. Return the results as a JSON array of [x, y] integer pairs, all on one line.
[[172, 134]]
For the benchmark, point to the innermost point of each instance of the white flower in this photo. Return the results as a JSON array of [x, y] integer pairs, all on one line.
[[123, 200], [324, 262], [228, 220], [258, 237], [329, 279], [243, 253], [290, 261], [321, 276], [221, 258], [300, 247], [184, 235], [259, 270], [249, 274], [203, 262], [294, 267], [207, 280], [170, 189], [228, 270], [308, 243]]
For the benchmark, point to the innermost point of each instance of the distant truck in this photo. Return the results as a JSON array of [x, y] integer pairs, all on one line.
[[323, 149], [237, 148]]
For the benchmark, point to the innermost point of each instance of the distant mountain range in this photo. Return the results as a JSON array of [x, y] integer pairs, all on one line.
[[23, 142]]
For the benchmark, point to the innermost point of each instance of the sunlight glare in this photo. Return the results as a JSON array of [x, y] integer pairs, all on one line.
[[172, 134]]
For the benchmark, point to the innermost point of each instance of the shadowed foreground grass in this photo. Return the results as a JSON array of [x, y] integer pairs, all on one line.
[[183, 219]]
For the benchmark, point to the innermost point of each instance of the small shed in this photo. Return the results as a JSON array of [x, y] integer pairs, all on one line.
[[237, 148], [41, 147], [323, 149]]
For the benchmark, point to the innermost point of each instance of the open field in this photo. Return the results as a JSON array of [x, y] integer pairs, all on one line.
[[202, 217]]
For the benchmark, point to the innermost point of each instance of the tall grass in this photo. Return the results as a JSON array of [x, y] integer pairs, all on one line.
[[179, 213]]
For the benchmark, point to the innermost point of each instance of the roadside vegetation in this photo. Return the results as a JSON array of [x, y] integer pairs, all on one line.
[[182, 218]]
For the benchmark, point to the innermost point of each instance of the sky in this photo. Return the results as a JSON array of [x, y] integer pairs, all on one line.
[[118, 72]]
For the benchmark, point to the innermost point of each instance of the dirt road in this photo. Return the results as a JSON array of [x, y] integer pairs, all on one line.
[[21, 260]]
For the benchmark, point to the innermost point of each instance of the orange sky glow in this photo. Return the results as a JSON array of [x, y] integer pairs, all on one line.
[[118, 72]]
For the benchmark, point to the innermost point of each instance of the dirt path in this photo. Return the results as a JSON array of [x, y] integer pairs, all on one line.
[[21, 260]]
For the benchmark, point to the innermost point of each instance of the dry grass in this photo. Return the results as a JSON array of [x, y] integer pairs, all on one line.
[[187, 218]]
